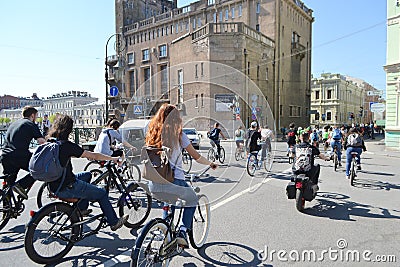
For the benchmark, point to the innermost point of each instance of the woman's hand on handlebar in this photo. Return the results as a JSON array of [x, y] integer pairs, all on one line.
[[117, 160], [213, 165]]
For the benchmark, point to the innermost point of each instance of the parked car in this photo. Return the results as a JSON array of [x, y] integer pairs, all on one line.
[[194, 136]]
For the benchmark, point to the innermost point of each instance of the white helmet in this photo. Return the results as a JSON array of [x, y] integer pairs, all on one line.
[[253, 124]]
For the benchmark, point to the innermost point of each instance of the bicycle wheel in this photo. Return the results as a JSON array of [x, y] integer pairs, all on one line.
[[132, 173], [221, 155], [237, 154], [44, 196], [300, 202], [242, 154], [352, 172], [91, 165], [186, 162], [136, 203], [335, 162], [268, 162], [149, 249], [201, 223], [5, 209], [50, 233], [211, 155], [251, 165], [99, 178]]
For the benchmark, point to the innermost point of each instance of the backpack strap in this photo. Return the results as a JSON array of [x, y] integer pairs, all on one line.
[[109, 136]]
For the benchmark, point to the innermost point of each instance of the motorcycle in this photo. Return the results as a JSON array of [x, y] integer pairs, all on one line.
[[302, 189]]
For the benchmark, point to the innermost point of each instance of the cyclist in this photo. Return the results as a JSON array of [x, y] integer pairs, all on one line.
[[315, 138], [304, 158], [165, 130], [353, 143], [291, 136], [266, 136], [78, 185], [239, 137], [107, 140], [325, 137], [336, 138], [16, 154], [253, 135], [214, 137]]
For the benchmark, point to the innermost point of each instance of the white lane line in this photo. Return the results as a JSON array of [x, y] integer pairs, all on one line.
[[126, 256]]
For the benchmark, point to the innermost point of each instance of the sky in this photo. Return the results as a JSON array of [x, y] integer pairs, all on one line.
[[49, 47]]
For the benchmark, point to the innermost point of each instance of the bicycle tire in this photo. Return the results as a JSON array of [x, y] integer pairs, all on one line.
[[300, 202], [44, 196], [201, 221], [92, 162], [268, 162], [335, 162], [5, 209], [155, 232], [211, 155], [134, 173], [221, 157], [137, 205], [352, 172], [251, 164], [55, 214], [237, 154], [186, 162]]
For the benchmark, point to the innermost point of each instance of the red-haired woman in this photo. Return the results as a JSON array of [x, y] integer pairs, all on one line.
[[165, 130]]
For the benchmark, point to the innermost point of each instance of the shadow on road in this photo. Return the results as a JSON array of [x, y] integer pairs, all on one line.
[[13, 238], [374, 185], [226, 254], [378, 173], [339, 207]]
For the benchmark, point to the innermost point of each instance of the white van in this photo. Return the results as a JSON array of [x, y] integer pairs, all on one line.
[[134, 132]]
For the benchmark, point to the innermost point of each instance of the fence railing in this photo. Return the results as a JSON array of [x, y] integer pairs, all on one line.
[[78, 136]]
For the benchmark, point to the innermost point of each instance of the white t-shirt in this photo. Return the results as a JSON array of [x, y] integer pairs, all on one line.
[[175, 160], [103, 143], [266, 134]]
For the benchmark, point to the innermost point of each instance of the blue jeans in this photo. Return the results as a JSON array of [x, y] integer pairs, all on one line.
[[339, 148], [349, 157], [172, 191], [85, 191]]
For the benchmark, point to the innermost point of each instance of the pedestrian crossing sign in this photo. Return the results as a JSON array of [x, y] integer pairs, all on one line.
[[137, 109]]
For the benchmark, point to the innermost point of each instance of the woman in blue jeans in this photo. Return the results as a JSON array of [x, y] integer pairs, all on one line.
[[78, 185], [165, 130]]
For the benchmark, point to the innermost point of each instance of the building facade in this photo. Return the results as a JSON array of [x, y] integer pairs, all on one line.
[[34, 101], [392, 68], [335, 100], [269, 42], [9, 102]]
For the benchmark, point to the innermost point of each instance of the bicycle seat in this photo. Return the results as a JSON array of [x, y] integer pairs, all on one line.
[[69, 200], [354, 153]]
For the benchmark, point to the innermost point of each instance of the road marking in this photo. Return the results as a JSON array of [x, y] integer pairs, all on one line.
[[126, 256]]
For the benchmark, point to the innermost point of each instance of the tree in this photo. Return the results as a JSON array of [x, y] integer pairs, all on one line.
[[7, 120], [52, 118], [39, 120], [1, 120]]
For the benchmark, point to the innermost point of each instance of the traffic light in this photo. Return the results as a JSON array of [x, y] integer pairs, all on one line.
[[361, 111]]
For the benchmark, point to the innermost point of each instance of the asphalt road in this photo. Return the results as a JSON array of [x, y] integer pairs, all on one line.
[[254, 224]]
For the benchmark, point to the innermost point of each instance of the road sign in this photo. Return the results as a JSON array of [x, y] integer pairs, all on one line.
[[113, 91], [254, 110], [122, 114], [237, 110], [323, 116], [378, 107], [313, 111], [372, 93], [238, 117], [137, 109]]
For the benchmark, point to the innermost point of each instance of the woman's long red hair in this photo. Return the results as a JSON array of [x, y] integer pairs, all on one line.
[[165, 128]]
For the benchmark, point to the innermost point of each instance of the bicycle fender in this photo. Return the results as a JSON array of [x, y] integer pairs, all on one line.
[[145, 229]]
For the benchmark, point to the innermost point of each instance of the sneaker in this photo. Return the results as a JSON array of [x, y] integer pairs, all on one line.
[[358, 167], [340, 164], [86, 212], [17, 188], [182, 239], [348, 176], [120, 222]]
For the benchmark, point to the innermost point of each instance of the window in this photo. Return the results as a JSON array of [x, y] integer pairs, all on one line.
[[258, 72], [220, 16], [195, 70], [180, 86], [164, 81], [258, 8], [162, 51], [177, 28], [131, 83], [298, 111], [145, 55], [226, 14], [194, 23], [280, 110], [202, 69], [233, 12], [317, 94], [202, 100], [329, 94], [258, 27], [266, 74], [329, 116], [211, 2], [131, 58], [146, 76], [215, 17], [199, 22], [248, 68], [316, 116], [240, 10], [197, 101]]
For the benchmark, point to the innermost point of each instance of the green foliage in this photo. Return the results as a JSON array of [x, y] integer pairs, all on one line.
[[7, 120], [1, 120], [52, 118], [39, 120]]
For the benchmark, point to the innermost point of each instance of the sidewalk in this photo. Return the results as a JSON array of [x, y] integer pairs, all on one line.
[[377, 146]]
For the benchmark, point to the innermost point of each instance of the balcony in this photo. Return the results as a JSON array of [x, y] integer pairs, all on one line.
[[298, 50], [112, 60]]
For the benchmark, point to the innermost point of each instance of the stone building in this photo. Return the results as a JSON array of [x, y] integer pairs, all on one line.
[[174, 55], [335, 100], [34, 101], [392, 68]]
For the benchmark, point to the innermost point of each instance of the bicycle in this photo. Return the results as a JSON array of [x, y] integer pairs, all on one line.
[[253, 163], [239, 152], [186, 161], [11, 204], [157, 242], [54, 229], [353, 167], [213, 154], [130, 199]]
